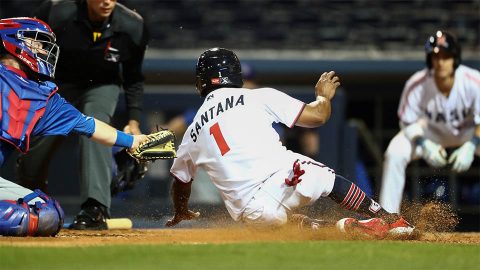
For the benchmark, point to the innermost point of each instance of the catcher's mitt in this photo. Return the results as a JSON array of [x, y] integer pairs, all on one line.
[[127, 171], [159, 145]]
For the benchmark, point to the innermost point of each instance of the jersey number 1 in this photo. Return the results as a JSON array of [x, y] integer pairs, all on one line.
[[219, 139]]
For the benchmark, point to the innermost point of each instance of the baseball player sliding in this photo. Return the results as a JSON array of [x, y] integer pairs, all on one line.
[[439, 108], [260, 181]]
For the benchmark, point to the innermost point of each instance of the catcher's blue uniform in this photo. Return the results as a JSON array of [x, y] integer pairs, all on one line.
[[30, 108]]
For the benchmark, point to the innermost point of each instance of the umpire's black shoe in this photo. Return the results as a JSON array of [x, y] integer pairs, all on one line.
[[90, 218]]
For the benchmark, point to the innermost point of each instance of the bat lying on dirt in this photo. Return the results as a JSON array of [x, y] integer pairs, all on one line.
[[113, 224]]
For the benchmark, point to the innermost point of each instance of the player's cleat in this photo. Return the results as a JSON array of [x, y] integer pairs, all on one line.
[[401, 228], [90, 218], [374, 227], [305, 222]]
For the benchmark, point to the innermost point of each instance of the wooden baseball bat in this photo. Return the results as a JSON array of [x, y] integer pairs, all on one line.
[[119, 223], [112, 224]]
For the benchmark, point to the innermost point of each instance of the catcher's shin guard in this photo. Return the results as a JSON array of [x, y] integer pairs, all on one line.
[[50, 214], [18, 218]]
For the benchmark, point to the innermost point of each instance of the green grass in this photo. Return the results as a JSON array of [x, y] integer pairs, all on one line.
[[355, 255]]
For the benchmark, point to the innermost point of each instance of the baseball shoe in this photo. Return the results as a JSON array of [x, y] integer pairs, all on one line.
[[374, 227], [305, 222], [90, 218], [401, 228]]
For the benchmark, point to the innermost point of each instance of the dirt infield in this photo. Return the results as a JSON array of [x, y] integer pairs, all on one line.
[[216, 235], [434, 222]]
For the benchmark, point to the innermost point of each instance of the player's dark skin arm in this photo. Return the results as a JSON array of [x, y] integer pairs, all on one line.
[[318, 112], [180, 195]]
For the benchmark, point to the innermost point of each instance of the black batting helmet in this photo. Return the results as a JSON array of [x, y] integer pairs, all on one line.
[[446, 41], [217, 68]]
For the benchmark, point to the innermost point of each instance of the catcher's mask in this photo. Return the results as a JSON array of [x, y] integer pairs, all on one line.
[[444, 41], [32, 42], [217, 68]]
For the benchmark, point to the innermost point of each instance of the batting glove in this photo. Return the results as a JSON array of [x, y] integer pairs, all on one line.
[[297, 172], [434, 154], [462, 158]]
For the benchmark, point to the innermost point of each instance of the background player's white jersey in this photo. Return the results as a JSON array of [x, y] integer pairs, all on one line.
[[231, 136], [448, 117]]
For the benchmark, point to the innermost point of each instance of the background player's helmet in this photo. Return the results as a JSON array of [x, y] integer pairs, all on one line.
[[217, 68], [32, 42], [443, 40]]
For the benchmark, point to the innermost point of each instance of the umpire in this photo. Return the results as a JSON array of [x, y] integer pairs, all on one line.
[[102, 46]]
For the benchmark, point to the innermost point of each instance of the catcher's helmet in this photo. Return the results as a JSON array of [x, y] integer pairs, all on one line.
[[217, 68], [32, 42], [442, 40]]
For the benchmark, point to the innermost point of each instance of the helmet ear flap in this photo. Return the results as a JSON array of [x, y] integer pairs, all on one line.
[[457, 61], [198, 85], [429, 61]]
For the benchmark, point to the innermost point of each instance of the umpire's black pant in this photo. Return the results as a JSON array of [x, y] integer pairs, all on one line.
[[96, 159]]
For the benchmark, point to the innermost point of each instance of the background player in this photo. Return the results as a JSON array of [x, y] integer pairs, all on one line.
[[232, 139], [439, 108], [31, 106], [98, 38]]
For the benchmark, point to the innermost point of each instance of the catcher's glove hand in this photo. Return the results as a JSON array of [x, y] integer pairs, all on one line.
[[159, 145]]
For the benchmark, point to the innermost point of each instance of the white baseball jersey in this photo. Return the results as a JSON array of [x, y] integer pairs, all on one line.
[[232, 139], [448, 117], [450, 121]]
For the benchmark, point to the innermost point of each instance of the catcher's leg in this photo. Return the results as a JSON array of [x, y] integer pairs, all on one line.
[[31, 170], [12, 191], [25, 212]]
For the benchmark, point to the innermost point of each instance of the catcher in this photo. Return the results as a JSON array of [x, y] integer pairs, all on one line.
[[31, 106]]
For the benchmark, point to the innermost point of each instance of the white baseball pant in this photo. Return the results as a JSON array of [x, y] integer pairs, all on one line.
[[397, 157], [273, 202], [12, 191]]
